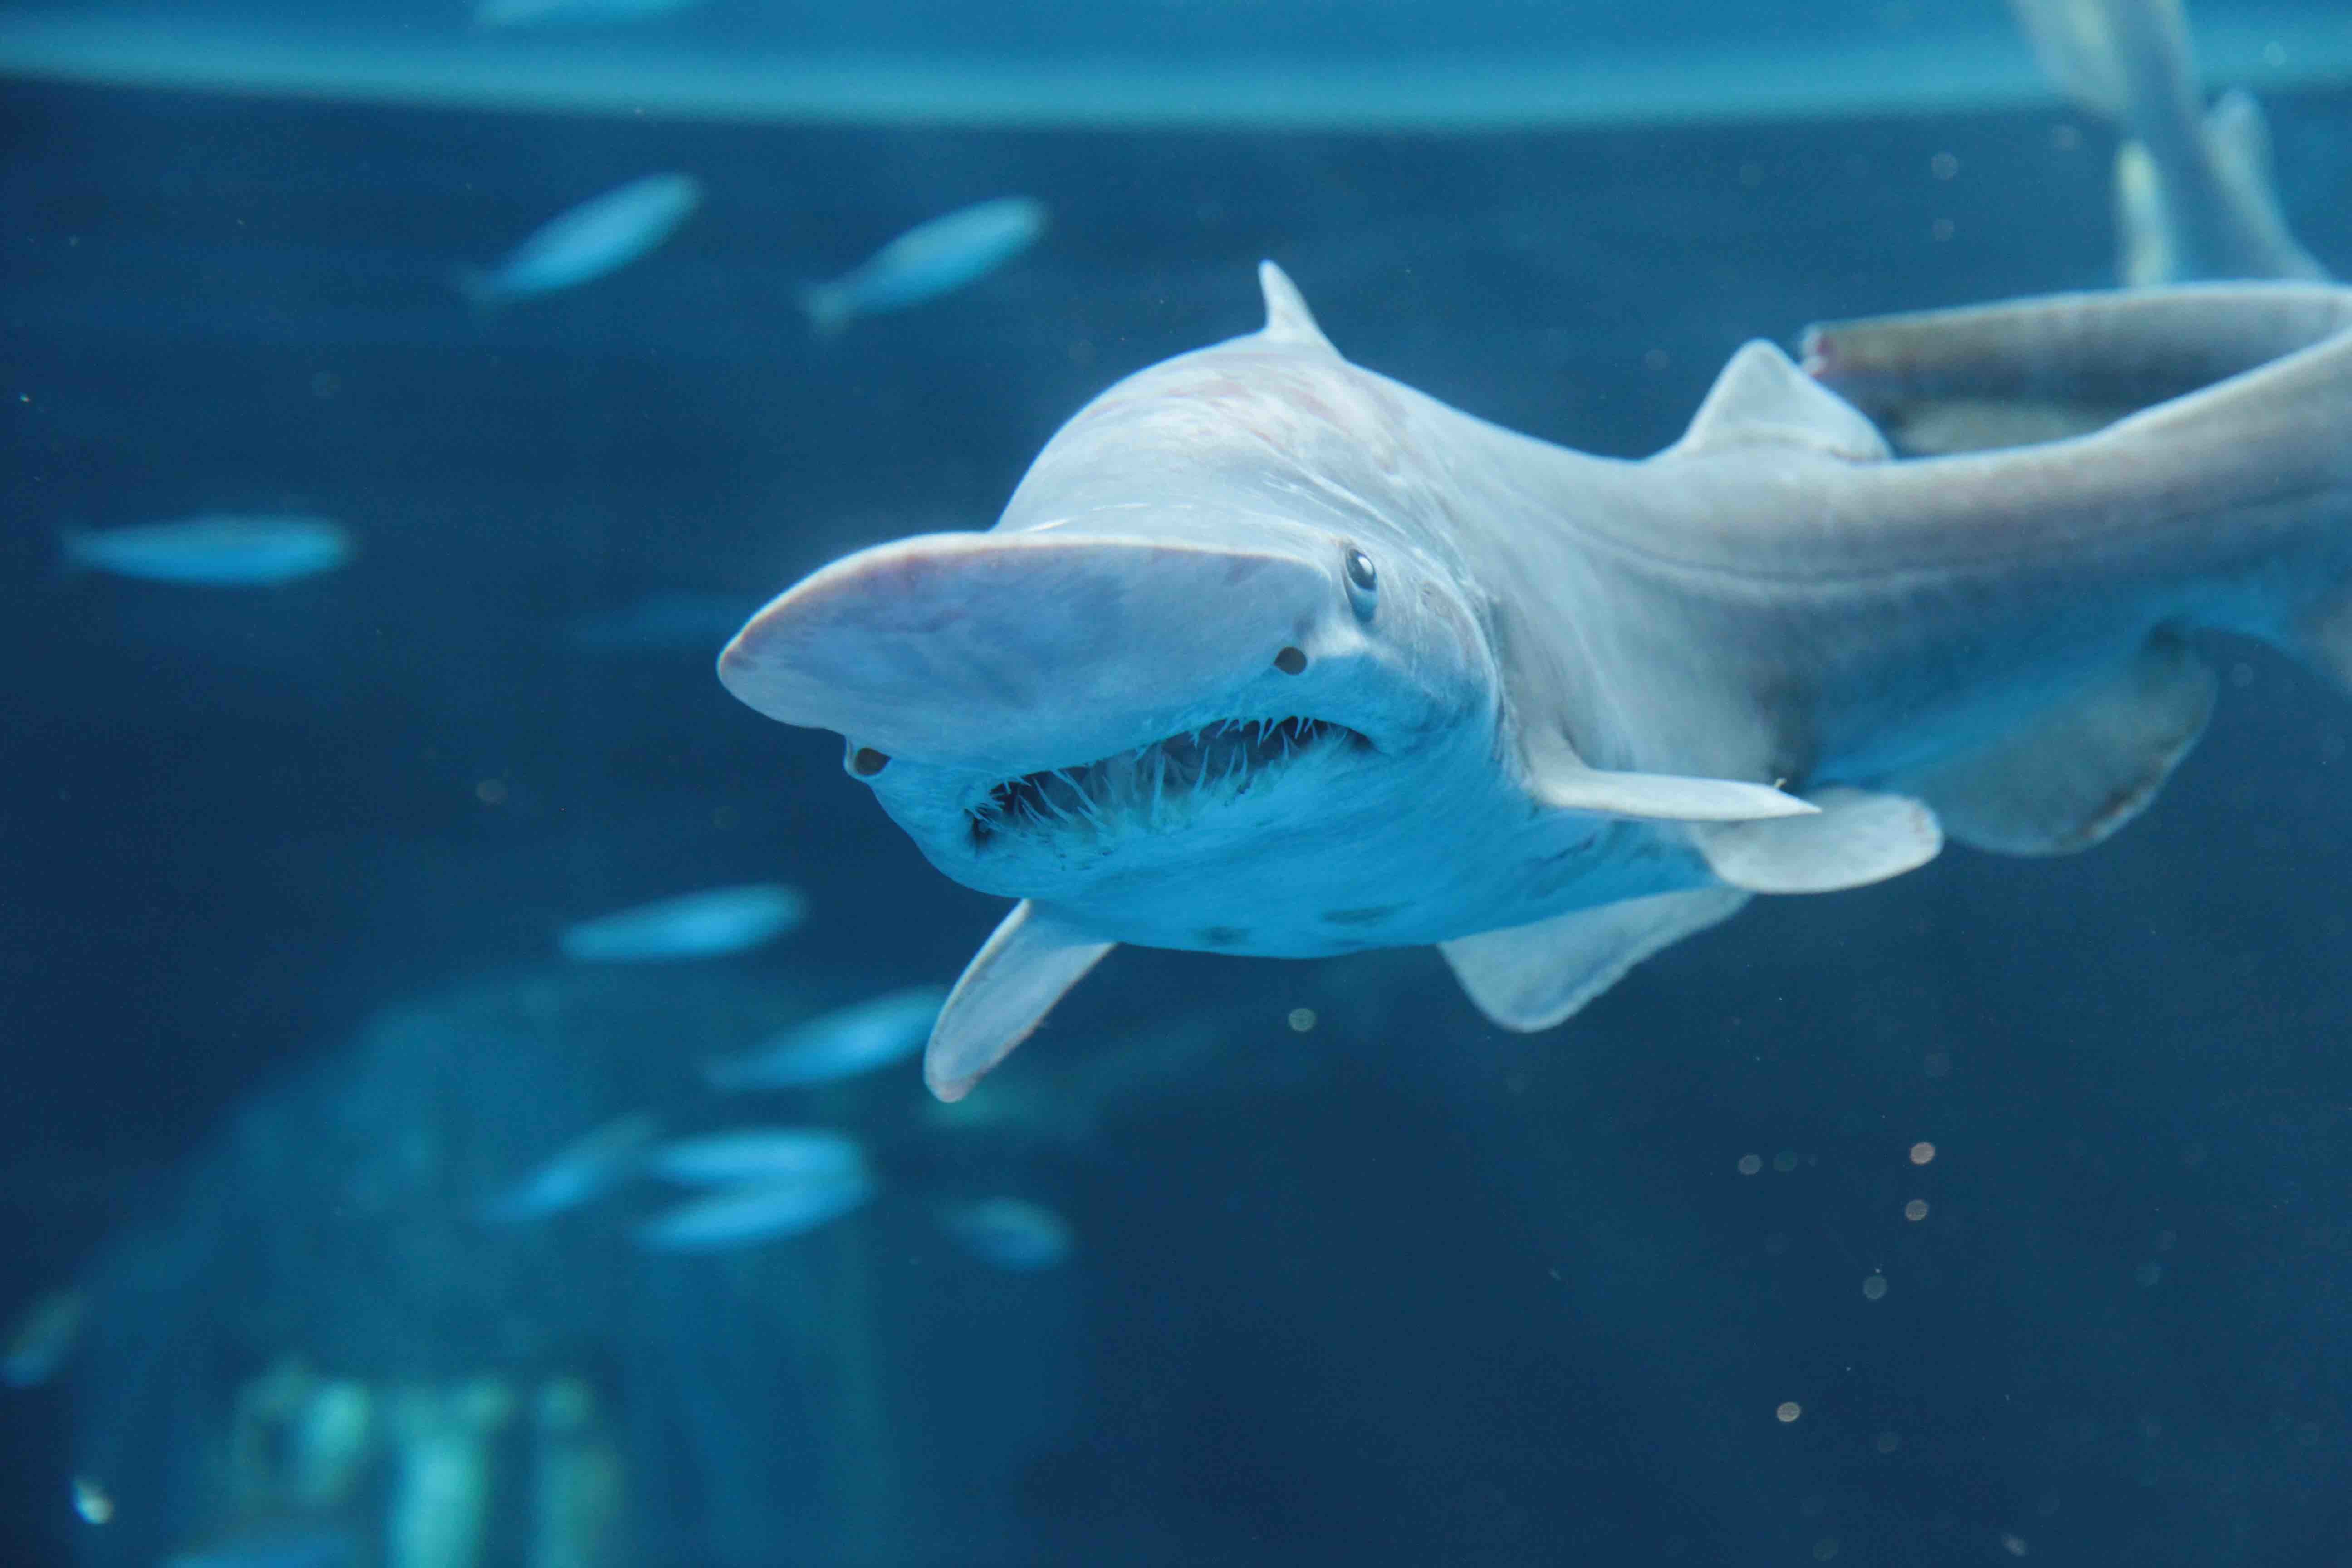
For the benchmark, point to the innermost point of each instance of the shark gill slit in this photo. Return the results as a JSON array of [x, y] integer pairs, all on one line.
[[1131, 787]]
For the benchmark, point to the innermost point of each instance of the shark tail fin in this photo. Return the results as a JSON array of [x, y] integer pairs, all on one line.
[[2107, 55], [2146, 252], [2238, 143]]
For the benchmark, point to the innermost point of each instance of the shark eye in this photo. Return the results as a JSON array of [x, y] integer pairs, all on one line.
[[865, 762], [1363, 583]]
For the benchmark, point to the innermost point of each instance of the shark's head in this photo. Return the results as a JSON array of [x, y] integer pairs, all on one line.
[[1206, 684]]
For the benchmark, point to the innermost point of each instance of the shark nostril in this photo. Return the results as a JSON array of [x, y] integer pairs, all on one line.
[[865, 762], [1290, 661]]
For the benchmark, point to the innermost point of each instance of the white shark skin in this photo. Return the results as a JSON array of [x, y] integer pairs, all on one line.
[[1581, 678]]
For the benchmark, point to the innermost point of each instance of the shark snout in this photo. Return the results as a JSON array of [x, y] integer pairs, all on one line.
[[1006, 653]]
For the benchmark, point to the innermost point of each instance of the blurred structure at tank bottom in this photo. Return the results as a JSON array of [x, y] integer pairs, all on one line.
[[325, 1356]]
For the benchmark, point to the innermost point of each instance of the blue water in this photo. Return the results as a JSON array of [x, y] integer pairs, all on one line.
[[284, 870]]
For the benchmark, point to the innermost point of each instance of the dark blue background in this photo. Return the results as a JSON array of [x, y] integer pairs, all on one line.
[[1455, 1297]]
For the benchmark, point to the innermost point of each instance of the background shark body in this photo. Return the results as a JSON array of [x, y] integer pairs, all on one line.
[[2193, 192], [1549, 692]]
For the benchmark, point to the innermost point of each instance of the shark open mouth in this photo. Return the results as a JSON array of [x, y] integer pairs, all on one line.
[[1162, 783]]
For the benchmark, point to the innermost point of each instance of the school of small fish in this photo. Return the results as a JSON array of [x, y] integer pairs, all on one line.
[[706, 924], [590, 240], [858, 1038]]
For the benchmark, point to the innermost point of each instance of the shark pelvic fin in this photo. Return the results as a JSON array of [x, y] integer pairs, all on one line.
[[1287, 318], [1857, 839], [1531, 977], [1762, 399], [1012, 983], [2085, 766]]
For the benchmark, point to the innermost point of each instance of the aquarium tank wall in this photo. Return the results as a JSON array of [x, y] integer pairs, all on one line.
[[1206, 781]]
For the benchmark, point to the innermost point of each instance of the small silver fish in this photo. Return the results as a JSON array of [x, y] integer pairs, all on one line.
[[758, 1155], [1011, 1233], [599, 235], [756, 1212], [583, 1170], [214, 550], [706, 924], [44, 1336], [529, 12], [841, 1044], [927, 261]]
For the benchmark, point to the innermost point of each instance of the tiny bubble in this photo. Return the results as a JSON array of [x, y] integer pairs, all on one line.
[[1873, 1287], [1886, 1442], [491, 792], [2274, 54], [1655, 360], [1788, 1411], [1302, 1019], [1825, 1548], [2065, 138], [1750, 1163], [2241, 676], [1944, 165], [1937, 1064], [1785, 1160], [1922, 1152], [2148, 1273], [2012, 1544], [1941, 230], [1915, 1210]]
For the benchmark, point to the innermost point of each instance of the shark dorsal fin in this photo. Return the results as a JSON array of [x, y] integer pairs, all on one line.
[[1287, 318], [1762, 399]]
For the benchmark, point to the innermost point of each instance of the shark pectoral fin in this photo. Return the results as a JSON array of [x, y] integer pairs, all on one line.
[[1660, 797], [1011, 984], [1761, 397], [1533, 976], [2083, 768], [1857, 837]]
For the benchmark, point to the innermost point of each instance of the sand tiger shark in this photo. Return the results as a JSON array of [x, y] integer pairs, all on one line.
[[1272, 655]]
